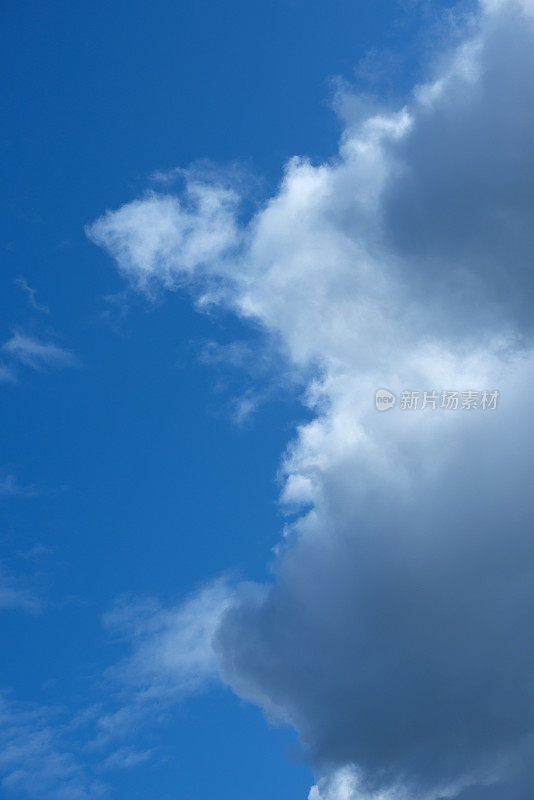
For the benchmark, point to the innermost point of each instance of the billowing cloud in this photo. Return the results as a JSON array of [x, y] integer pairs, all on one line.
[[397, 636]]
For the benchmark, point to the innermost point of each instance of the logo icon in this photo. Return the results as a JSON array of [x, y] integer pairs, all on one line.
[[384, 399]]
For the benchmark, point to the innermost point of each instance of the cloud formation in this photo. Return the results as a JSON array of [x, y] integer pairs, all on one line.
[[36, 354], [15, 596], [171, 656], [6, 375], [32, 295], [396, 637], [10, 486], [34, 760], [67, 753]]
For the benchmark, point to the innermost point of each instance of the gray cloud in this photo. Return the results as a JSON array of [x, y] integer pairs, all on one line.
[[396, 637], [460, 208]]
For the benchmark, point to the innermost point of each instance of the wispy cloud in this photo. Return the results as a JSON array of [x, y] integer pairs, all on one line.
[[171, 655], [37, 354], [7, 375], [32, 294], [252, 373], [35, 760], [55, 754], [127, 757], [36, 551], [15, 596], [11, 487], [171, 648]]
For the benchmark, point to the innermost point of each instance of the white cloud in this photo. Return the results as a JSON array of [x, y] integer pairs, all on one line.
[[172, 649], [32, 296], [36, 354], [59, 754], [7, 375], [397, 636], [252, 372], [34, 761], [148, 237], [10, 486], [15, 596], [171, 656], [345, 784], [127, 757]]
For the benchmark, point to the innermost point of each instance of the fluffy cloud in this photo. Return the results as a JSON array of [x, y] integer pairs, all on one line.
[[149, 237], [397, 636]]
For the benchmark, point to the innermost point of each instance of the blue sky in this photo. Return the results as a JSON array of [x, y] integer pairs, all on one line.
[[201, 592], [130, 475]]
